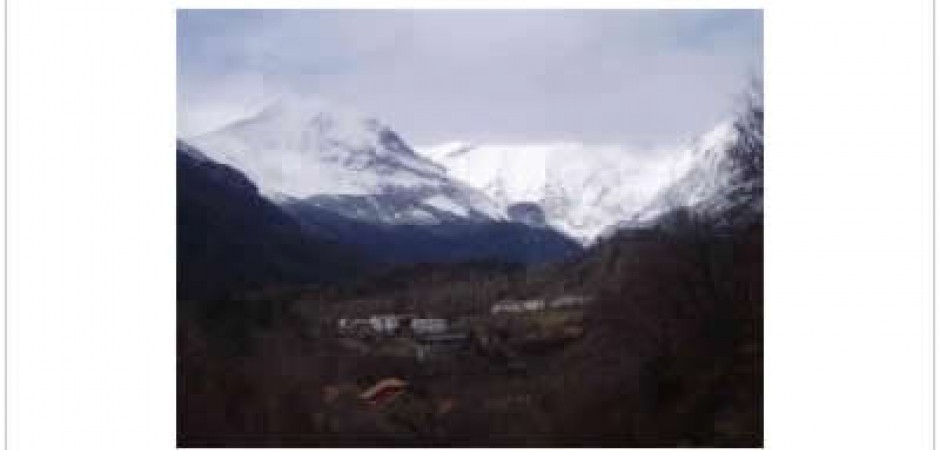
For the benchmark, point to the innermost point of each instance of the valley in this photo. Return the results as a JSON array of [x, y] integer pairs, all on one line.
[[336, 288], [668, 341]]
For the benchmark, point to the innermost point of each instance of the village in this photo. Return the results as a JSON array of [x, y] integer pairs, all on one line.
[[500, 343], [517, 321]]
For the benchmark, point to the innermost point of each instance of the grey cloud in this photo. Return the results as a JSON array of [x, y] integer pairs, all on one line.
[[504, 75]]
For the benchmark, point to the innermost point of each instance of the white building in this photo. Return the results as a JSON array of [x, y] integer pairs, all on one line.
[[384, 324], [537, 304], [390, 324], [565, 301], [506, 307], [428, 326]]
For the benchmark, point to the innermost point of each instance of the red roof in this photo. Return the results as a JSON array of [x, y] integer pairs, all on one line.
[[384, 391]]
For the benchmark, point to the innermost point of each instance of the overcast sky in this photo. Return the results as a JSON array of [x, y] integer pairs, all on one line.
[[623, 76]]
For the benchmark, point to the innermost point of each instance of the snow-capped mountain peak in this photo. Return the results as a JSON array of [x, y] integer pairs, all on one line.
[[720, 177], [323, 126], [581, 189], [300, 147], [699, 164], [585, 190]]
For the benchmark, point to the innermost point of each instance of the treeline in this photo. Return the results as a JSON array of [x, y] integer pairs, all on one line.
[[674, 353]]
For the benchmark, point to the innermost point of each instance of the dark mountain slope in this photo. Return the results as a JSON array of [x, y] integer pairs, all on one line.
[[448, 241], [230, 238]]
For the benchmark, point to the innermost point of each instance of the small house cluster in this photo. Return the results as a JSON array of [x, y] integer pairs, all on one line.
[[393, 324], [538, 304]]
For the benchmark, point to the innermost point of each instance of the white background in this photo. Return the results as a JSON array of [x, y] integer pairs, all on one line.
[[91, 224]]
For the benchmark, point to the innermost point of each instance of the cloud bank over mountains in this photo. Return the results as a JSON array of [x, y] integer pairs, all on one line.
[[635, 77]]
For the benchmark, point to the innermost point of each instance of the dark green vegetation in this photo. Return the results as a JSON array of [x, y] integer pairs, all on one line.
[[670, 355]]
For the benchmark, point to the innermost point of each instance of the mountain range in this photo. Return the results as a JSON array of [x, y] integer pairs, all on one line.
[[664, 252], [351, 180]]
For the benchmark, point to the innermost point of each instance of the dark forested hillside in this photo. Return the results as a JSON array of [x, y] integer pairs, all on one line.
[[230, 238], [677, 330], [448, 241], [668, 353]]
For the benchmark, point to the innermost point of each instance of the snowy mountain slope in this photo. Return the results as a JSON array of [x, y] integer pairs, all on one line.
[[701, 174], [302, 148], [723, 177], [306, 148], [581, 189]]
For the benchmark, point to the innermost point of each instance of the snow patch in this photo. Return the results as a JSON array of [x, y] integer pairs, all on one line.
[[582, 189], [447, 205]]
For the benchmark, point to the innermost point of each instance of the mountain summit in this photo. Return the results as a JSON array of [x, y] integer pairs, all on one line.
[[305, 148], [581, 190], [302, 146]]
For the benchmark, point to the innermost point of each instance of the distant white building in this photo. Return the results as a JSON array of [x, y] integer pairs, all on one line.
[[384, 324], [389, 324], [518, 306], [347, 325], [428, 326], [506, 307], [565, 301], [537, 304]]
